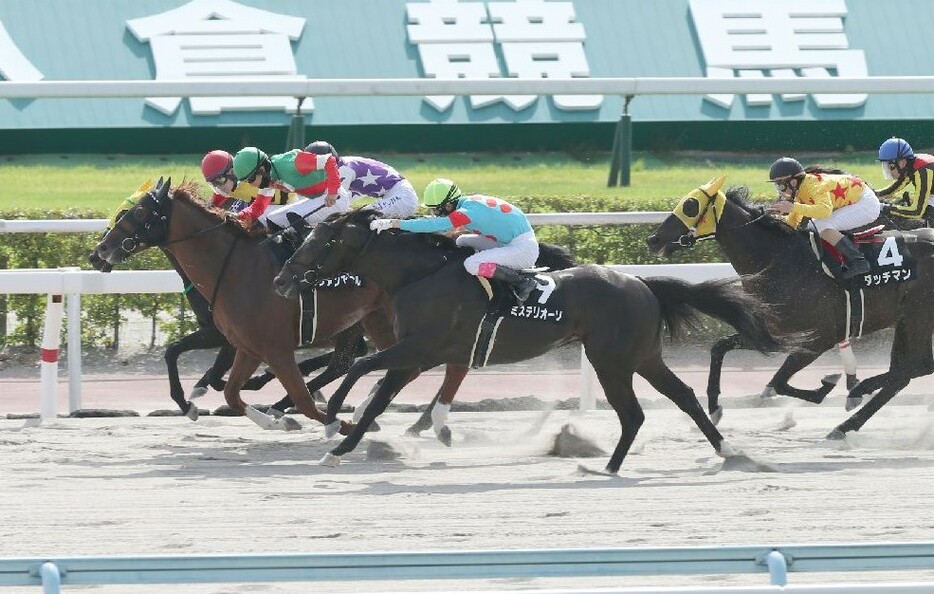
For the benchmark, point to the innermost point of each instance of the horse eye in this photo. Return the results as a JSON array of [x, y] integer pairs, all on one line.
[[691, 207]]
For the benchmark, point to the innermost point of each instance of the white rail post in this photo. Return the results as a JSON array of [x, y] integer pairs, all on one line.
[[588, 399], [72, 287], [48, 386], [74, 352]]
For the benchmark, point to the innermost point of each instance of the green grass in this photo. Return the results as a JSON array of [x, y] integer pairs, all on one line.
[[100, 182]]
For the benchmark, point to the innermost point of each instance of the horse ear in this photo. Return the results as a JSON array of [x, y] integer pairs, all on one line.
[[159, 183], [714, 185], [162, 190]]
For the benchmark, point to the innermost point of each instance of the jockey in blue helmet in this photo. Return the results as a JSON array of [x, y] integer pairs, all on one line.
[[911, 190]]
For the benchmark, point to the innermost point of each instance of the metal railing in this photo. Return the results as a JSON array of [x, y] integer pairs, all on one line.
[[775, 561]]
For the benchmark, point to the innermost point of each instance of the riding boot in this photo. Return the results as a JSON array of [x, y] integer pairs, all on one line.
[[522, 285], [854, 264]]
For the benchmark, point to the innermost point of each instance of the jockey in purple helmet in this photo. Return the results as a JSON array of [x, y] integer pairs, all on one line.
[[364, 177]]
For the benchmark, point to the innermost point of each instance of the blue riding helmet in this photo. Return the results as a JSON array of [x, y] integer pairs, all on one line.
[[894, 149]]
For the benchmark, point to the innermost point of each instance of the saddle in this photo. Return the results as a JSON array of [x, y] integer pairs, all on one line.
[[502, 302], [889, 257], [890, 263]]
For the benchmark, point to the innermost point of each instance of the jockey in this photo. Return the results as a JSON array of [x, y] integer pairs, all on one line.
[[313, 177], [911, 190], [229, 193], [834, 203], [368, 178], [499, 231]]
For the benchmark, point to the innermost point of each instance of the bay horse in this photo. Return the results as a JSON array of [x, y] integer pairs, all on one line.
[[438, 307], [207, 336], [777, 265], [217, 253]]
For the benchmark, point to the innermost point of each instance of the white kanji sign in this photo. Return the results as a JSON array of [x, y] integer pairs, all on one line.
[[221, 40], [537, 38], [755, 38], [13, 64]]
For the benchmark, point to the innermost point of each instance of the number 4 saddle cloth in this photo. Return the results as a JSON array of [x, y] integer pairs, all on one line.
[[887, 252]]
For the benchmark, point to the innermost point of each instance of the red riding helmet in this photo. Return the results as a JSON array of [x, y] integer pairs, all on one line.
[[216, 164]]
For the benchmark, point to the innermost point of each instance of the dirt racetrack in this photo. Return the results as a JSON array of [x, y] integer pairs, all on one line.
[[147, 485]]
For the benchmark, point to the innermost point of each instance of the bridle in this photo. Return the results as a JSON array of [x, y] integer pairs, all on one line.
[[139, 226], [691, 238]]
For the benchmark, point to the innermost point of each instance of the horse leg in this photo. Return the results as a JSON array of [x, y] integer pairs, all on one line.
[[663, 379], [286, 371], [393, 382], [912, 356], [893, 384], [795, 362], [849, 366], [338, 362], [205, 337], [453, 378], [402, 355], [717, 352], [243, 366], [214, 377], [617, 386]]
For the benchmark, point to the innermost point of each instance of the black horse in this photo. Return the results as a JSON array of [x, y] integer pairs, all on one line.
[[438, 308], [777, 264]]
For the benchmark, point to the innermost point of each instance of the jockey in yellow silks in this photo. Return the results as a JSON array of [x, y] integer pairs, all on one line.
[[833, 202]]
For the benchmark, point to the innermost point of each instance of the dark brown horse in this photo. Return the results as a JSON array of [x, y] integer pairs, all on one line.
[[779, 267], [618, 318], [230, 265]]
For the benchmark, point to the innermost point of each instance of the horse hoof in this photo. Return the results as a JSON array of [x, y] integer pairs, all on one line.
[[192, 412], [289, 424], [444, 436], [853, 402], [197, 392], [374, 427], [830, 380], [726, 450], [768, 392], [851, 382], [331, 429], [716, 415], [330, 459], [318, 396], [275, 412], [836, 435]]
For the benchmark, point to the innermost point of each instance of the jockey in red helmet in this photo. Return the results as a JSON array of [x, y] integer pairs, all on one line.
[[230, 194]]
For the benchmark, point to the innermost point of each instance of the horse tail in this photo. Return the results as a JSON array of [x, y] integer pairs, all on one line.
[[555, 257], [722, 299]]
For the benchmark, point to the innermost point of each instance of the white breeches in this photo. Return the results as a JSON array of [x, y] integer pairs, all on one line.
[[400, 202], [855, 215], [304, 207], [521, 252]]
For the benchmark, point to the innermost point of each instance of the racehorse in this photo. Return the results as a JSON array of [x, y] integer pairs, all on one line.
[[207, 336], [551, 257], [214, 252], [777, 265], [438, 308]]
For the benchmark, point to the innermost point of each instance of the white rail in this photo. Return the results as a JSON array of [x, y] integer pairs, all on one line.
[[355, 87], [544, 218]]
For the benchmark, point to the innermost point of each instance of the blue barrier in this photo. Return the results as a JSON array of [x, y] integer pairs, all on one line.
[[52, 572]]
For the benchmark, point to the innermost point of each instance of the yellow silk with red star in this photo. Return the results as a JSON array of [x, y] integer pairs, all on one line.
[[821, 193]]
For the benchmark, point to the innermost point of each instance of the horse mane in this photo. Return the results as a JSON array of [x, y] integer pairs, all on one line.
[[739, 195], [190, 193]]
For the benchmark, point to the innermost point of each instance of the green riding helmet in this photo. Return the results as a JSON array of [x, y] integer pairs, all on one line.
[[247, 161], [440, 190]]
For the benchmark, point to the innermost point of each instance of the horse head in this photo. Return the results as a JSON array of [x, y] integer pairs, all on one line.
[[330, 249], [144, 223], [695, 217]]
